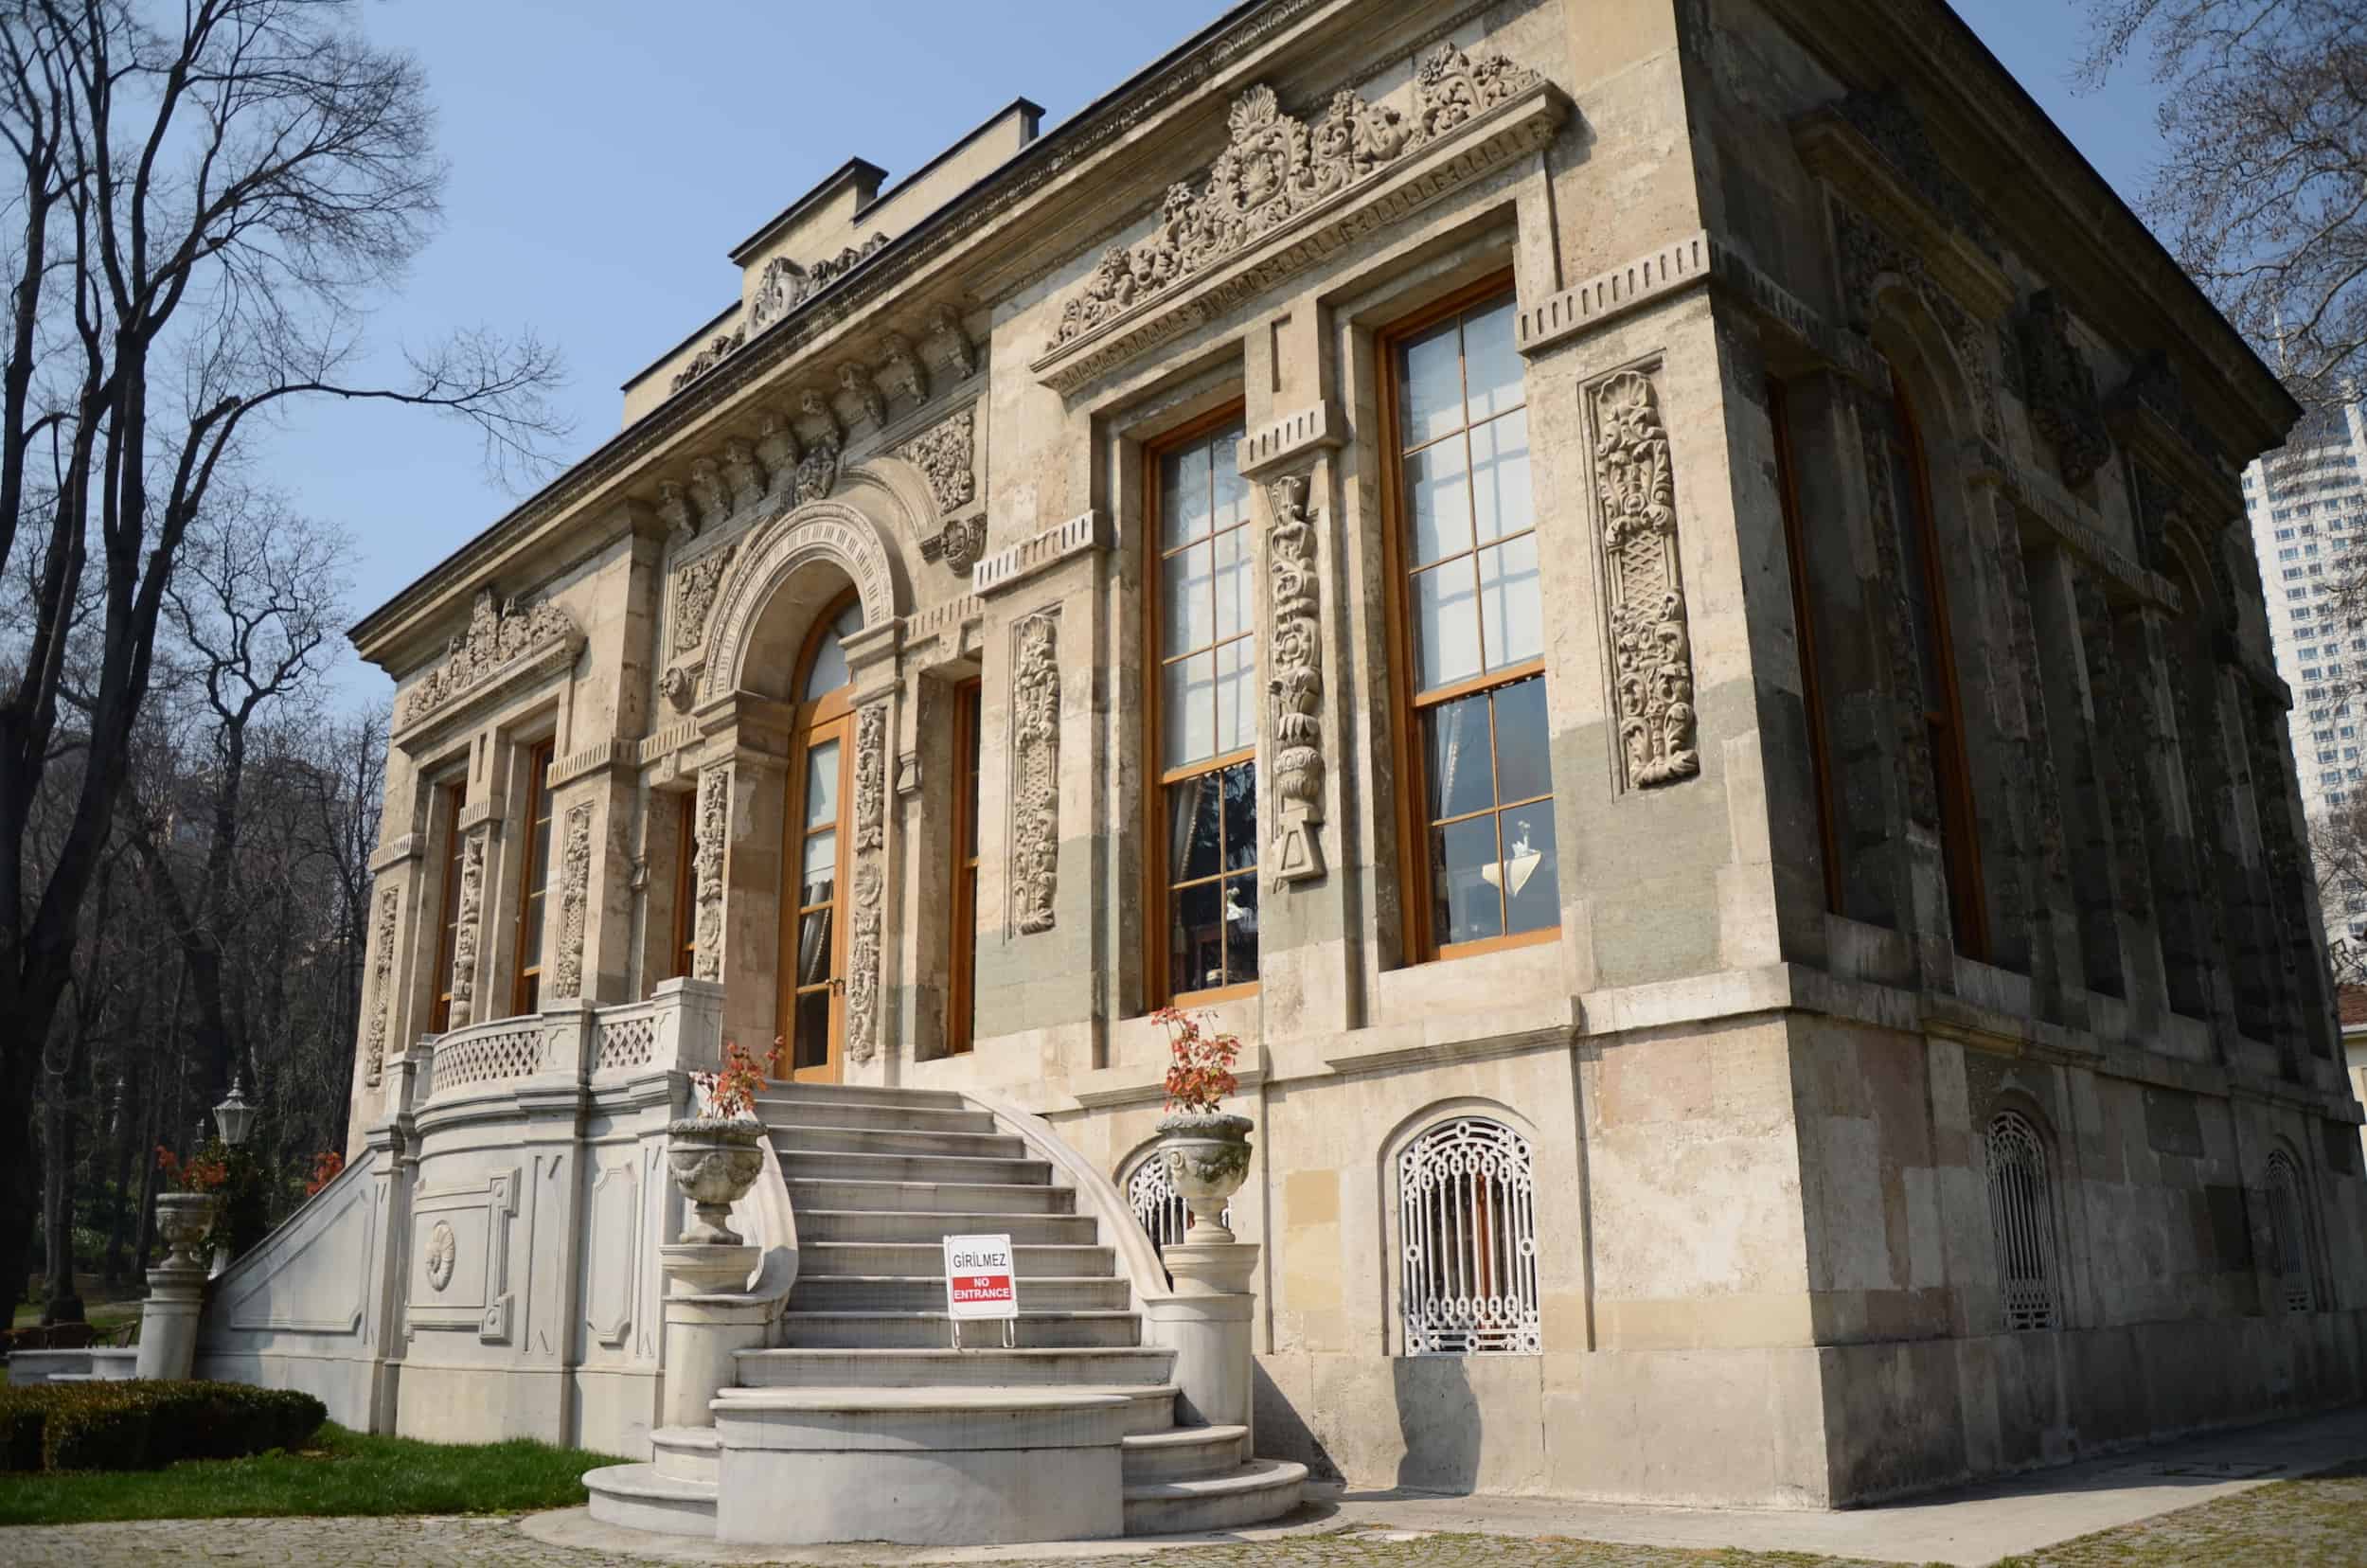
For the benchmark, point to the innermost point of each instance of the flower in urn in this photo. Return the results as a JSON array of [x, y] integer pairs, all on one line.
[[1205, 1150], [715, 1158]]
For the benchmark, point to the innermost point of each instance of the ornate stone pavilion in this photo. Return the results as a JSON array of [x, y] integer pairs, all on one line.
[[1650, 602]]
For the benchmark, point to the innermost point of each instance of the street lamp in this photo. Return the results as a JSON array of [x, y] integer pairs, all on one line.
[[233, 1117]]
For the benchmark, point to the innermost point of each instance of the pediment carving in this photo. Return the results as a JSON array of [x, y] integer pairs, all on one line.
[[501, 642]]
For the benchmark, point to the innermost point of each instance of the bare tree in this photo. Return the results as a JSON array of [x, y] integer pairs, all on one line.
[[2262, 191], [208, 197]]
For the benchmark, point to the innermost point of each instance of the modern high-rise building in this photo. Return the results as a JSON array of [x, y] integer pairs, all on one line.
[[2307, 503]]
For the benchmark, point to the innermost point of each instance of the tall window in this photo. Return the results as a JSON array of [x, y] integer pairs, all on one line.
[[684, 947], [449, 799], [534, 879], [1473, 770], [821, 790], [1924, 580], [1803, 630], [1204, 707], [1466, 1238], [961, 1003], [2021, 1220], [2288, 1222]]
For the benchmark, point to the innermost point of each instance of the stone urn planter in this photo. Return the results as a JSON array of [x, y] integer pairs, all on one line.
[[184, 1219], [1206, 1153], [715, 1161]]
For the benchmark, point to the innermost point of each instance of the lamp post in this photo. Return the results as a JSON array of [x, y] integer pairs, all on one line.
[[233, 1118]]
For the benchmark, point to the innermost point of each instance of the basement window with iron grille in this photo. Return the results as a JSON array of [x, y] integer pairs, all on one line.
[[2021, 1218], [1466, 1219]]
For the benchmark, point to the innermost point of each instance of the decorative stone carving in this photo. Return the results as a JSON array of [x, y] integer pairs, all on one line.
[[498, 642], [742, 473], [959, 543], [707, 488], [441, 1251], [1297, 683], [856, 383], [945, 325], [870, 775], [674, 509], [1274, 168], [706, 866], [946, 454], [575, 883], [908, 775], [817, 406], [1891, 128], [1652, 652], [465, 928], [784, 285], [1868, 255], [1035, 743], [677, 686], [862, 962], [777, 447], [817, 475], [719, 349], [905, 374], [1898, 629], [694, 596], [382, 985], [2060, 388]]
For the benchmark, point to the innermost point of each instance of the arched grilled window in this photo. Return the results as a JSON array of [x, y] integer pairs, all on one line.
[[2021, 1218], [1467, 1235], [1153, 1197], [2288, 1222]]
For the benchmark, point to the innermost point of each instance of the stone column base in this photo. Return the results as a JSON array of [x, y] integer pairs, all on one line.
[[708, 1318], [168, 1322], [1207, 1323]]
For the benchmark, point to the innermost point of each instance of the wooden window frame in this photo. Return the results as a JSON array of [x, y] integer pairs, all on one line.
[[683, 956], [525, 986], [834, 710], [1803, 634], [449, 799], [1944, 726], [1158, 777], [1407, 703], [961, 969]]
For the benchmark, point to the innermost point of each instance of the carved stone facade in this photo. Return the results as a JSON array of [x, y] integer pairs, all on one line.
[[944, 454], [1651, 647], [575, 890], [1297, 684], [1035, 775], [465, 926], [713, 825], [499, 643]]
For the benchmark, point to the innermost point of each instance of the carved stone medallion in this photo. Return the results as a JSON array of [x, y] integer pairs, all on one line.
[[442, 1250]]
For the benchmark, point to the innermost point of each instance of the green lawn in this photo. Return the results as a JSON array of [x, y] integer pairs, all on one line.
[[340, 1472]]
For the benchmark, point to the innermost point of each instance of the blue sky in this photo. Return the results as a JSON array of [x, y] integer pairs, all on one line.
[[605, 155]]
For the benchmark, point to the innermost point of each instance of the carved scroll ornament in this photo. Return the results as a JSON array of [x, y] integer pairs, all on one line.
[[1036, 741], [694, 596], [1652, 652], [575, 885], [1297, 682], [498, 642], [1276, 168], [381, 985], [706, 865], [465, 929]]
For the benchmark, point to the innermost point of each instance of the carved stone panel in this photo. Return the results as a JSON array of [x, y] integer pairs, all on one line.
[[2060, 389], [695, 588], [500, 641], [870, 775], [1036, 747], [472, 916], [945, 455], [574, 883], [1913, 745], [1652, 650], [862, 962], [382, 985], [714, 824], [1297, 683]]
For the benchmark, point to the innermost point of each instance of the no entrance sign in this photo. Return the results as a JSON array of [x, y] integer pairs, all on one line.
[[980, 1280]]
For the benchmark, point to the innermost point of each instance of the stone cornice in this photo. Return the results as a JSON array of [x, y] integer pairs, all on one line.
[[1295, 436], [503, 649], [1498, 136], [1837, 150], [612, 754], [2037, 498], [410, 847], [1007, 569]]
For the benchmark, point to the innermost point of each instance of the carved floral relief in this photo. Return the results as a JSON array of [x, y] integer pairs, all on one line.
[[946, 456], [1651, 651], [1275, 166], [382, 985], [465, 929], [870, 775], [2060, 389], [498, 640], [1035, 744], [1297, 683], [706, 865], [695, 588], [862, 962], [574, 883]]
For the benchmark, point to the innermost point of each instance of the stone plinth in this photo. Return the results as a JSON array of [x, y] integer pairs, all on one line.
[[709, 1317], [168, 1321], [1207, 1323]]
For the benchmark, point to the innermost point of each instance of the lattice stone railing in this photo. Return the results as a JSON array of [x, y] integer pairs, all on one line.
[[679, 1029], [626, 1037], [506, 1048]]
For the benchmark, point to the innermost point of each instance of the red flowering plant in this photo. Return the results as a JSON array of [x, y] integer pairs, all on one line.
[[326, 1165], [208, 1170], [1200, 1073], [731, 1095]]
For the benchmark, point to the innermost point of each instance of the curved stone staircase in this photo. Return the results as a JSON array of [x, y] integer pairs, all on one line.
[[860, 1422]]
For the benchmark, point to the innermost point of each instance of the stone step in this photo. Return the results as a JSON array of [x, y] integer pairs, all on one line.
[[688, 1454], [638, 1497], [916, 1330], [939, 1417], [936, 1169], [864, 1094], [829, 1259], [804, 1138], [929, 1227], [818, 1293], [1148, 1367], [1260, 1490], [1150, 1407], [987, 1202], [852, 1113], [1185, 1453]]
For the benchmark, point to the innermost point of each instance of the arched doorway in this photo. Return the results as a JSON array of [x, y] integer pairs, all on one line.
[[815, 852]]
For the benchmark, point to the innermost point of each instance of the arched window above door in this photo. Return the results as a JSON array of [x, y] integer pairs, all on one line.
[[825, 662]]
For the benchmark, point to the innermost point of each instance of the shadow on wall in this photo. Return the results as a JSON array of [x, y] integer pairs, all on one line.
[[1280, 1432], [1439, 1419]]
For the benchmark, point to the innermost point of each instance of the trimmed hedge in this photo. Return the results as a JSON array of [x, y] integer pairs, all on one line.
[[135, 1425]]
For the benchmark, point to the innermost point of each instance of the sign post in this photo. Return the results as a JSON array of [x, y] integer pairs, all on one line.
[[981, 1281]]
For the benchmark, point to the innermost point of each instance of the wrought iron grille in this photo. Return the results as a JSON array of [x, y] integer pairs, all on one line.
[[1467, 1217], [2289, 1220], [2021, 1219], [1158, 1205]]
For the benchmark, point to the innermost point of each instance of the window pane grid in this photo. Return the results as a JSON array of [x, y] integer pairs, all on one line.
[[527, 994]]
